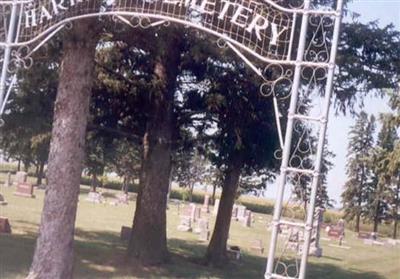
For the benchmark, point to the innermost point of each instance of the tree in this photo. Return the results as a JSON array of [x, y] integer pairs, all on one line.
[[244, 137], [380, 196], [125, 161], [53, 257], [358, 169], [190, 167], [26, 134], [148, 242]]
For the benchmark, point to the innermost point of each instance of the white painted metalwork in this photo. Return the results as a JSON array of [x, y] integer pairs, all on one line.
[[264, 31]]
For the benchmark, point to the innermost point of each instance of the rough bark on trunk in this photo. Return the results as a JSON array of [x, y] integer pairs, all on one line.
[[148, 242], [53, 257], [216, 251]]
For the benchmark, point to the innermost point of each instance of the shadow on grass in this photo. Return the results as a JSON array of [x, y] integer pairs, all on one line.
[[100, 254]]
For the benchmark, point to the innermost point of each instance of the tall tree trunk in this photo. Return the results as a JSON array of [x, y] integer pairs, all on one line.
[[93, 183], [216, 251], [191, 187], [40, 173], [360, 192], [148, 242], [53, 257], [358, 214], [396, 209], [376, 217], [125, 184], [213, 194], [19, 165]]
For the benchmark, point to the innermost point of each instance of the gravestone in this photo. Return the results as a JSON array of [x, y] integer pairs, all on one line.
[[246, 220], [95, 197], [204, 235], [2, 200], [20, 177], [125, 233], [216, 206], [241, 212], [203, 230], [8, 182], [206, 204], [192, 211], [336, 232], [234, 253], [257, 246], [364, 235], [4, 225], [201, 225], [196, 213], [24, 189], [185, 224], [234, 212], [123, 198]]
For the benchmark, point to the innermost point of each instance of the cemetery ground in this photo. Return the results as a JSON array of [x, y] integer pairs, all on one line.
[[100, 252]]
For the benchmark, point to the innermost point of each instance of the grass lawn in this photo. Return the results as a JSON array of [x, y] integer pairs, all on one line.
[[100, 253]]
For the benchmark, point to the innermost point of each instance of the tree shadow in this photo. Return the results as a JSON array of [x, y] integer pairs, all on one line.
[[101, 254]]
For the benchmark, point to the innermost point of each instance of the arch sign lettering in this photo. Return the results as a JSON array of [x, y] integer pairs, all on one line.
[[294, 41]]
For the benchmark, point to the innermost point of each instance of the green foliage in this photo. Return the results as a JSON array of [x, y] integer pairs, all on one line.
[[358, 184]]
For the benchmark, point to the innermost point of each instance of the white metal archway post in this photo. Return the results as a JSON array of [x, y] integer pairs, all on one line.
[[322, 120]]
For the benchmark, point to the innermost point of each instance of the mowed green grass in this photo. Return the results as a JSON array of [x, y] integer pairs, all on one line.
[[100, 253]]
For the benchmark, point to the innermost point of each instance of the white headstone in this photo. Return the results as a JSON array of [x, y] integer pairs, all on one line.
[[185, 224], [20, 177], [8, 182]]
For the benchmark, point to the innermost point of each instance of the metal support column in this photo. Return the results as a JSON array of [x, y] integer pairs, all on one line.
[[321, 141], [287, 143], [7, 54], [285, 169]]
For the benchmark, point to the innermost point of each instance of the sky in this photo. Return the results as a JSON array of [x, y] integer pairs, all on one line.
[[386, 12]]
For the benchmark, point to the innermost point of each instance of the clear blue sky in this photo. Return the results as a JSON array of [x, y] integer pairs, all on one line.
[[386, 12]]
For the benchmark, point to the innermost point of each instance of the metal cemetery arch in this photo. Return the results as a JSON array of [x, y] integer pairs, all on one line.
[[263, 29]]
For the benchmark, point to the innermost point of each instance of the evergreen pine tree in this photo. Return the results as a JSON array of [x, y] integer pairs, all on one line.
[[358, 170]]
